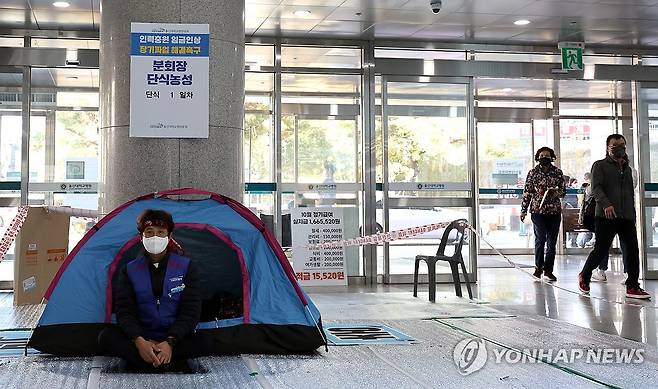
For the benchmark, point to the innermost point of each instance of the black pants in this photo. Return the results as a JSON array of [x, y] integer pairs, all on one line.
[[606, 229], [624, 254], [114, 342], [546, 231]]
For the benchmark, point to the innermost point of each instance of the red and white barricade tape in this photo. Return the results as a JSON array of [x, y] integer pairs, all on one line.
[[413, 231], [12, 231], [381, 238]]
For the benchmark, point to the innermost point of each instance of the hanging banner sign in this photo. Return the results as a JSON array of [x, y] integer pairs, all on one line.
[[169, 80], [312, 226]]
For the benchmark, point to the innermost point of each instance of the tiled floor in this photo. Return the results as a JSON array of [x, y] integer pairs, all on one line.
[[513, 291], [511, 312]]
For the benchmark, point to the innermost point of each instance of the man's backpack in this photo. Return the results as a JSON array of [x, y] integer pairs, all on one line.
[[588, 213]]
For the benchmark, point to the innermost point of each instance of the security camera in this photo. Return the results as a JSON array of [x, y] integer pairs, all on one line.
[[436, 5]]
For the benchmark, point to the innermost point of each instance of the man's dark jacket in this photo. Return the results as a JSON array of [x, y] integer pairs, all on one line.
[[612, 184]]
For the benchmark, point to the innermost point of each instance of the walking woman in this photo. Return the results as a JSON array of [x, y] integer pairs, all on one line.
[[544, 189]]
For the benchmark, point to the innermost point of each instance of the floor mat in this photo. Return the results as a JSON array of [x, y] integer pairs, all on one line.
[[353, 334]]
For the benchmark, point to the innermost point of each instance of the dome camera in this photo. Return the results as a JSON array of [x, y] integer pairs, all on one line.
[[436, 5]]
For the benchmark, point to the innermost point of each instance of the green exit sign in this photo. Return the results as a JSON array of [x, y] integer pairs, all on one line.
[[572, 55]]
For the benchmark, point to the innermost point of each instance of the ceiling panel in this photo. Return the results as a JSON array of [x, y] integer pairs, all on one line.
[[356, 14], [71, 20], [275, 2], [440, 31], [634, 2], [75, 5], [74, 78], [447, 7], [538, 35], [288, 12], [323, 3], [18, 4], [492, 6], [470, 19], [394, 30], [609, 22], [594, 21], [497, 34], [340, 28], [17, 18], [408, 17], [389, 4], [256, 11]]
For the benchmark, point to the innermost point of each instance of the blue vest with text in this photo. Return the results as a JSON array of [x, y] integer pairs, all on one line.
[[158, 314]]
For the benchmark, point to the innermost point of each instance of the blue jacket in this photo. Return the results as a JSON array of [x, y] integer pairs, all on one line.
[[156, 315]]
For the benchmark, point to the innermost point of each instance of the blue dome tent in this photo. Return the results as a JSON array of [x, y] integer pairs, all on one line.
[[252, 301]]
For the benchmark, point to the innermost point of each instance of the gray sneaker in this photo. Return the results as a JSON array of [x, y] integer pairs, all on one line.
[[599, 275]]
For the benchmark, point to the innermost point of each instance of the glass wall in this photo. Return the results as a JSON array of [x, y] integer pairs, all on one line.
[[304, 113], [259, 152], [648, 117]]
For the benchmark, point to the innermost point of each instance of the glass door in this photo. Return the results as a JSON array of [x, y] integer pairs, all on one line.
[[65, 142], [427, 170], [648, 146], [589, 111], [505, 157], [514, 118], [11, 129], [321, 153]]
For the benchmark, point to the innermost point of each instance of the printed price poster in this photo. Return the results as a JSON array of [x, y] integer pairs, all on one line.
[[169, 80], [313, 226]]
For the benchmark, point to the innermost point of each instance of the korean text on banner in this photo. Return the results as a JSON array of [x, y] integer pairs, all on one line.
[[169, 80], [322, 266]]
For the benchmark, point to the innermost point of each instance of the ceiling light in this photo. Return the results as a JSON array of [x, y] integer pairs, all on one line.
[[522, 22], [302, 12], [61, 4]]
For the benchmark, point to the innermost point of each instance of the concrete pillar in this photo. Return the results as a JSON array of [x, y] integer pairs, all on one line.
[[134, 166]]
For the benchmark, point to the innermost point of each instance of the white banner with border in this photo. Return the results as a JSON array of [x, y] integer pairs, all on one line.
[[169, 80], [318, 267]]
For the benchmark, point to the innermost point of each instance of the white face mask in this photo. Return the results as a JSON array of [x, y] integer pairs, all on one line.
[[155, 244]]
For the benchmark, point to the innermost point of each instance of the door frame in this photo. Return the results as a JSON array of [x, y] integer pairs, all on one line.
[[470, 202]]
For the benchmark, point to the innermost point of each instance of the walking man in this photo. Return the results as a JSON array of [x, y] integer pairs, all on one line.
[[613, 189]]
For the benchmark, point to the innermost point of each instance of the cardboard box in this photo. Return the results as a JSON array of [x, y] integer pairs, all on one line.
[[41, 248]]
